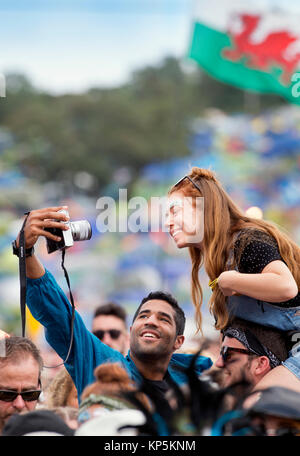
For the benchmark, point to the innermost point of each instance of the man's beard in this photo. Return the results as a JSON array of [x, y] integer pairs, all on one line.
[[242, 382], [159, 353]]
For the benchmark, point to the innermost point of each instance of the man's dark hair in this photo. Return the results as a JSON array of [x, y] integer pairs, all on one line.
[[16, 348], [167, 297], [272, 338], [111, 309]]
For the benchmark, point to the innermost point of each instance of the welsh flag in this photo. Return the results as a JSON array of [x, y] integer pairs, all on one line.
[[248, 46]]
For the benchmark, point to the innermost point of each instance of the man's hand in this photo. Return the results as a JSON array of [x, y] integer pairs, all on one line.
[[40, 219], [35, 226]]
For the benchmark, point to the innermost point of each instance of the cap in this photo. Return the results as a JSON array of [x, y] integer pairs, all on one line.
[[279, 402], [36, 422]]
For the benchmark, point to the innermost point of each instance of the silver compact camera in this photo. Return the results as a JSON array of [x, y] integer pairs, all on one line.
[[80, 230]]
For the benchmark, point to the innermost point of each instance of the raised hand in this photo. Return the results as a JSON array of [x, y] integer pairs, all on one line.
[[40, 219]]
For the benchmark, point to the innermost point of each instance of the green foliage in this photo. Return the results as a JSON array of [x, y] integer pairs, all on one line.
[[102, 130]]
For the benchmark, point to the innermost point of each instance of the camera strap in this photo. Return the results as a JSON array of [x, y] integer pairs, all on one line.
[[63, 253], [22, 273]]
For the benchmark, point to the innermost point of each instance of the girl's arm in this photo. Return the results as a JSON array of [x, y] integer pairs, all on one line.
[[274, 284]]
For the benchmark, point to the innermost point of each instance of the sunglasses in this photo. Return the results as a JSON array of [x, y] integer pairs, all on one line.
[[191, 180], [27, 396], [226, 352], [114, 333]]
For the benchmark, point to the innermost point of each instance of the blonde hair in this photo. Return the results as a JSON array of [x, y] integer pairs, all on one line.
[[65, 412], [222, 219], [59, 389]]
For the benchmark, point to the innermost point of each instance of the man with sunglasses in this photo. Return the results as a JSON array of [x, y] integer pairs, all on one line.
[[109, 325], [249, 351], [20, 371]]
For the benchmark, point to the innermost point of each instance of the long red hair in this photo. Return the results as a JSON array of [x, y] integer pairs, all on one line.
[[223, 218]]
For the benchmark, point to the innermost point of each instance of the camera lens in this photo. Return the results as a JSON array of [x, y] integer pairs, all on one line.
[[81, 230]]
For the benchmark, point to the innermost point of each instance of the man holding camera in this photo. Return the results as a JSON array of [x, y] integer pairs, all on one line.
[[156, 331]]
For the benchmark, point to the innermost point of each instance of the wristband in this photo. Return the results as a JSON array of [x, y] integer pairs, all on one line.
[[213, 283], [16, 250]]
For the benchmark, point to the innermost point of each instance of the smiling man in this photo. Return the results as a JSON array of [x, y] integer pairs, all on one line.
[[249, 351], [156, 331], [20, 371]]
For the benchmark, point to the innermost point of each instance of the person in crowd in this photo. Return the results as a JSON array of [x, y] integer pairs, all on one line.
[[156, 332], [68, 413], [20, 371], [275, 412], [210, 347], [109, 325], [61, 391], [253, 267], [52, 365], [36, 423], [107, 392], [117, 423], [248, 352]]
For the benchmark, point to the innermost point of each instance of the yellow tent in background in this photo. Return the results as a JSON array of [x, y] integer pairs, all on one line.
[[33, 326]]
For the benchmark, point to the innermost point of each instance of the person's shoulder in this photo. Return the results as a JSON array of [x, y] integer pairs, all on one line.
[[184, 361], [254, 236], [254, 249]]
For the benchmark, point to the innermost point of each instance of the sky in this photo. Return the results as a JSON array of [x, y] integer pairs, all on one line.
[[68, 46]]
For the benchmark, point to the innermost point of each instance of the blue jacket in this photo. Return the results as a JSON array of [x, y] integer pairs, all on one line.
[[50, 306]]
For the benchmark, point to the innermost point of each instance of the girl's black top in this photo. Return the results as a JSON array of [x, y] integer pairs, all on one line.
[[253, 253]]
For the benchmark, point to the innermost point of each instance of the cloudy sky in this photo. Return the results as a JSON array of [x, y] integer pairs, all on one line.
[[71, 45]]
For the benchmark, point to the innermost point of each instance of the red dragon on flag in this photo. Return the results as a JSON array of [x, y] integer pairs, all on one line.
[[249, 45], [277, 49]]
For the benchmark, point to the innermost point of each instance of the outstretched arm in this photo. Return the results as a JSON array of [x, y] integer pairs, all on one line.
[[50, 306]]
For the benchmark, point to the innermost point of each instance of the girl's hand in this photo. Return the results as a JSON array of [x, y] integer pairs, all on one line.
[[226, 281]]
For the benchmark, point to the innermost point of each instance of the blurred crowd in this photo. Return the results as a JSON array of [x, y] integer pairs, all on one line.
[[221, 400], [214, 392]]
